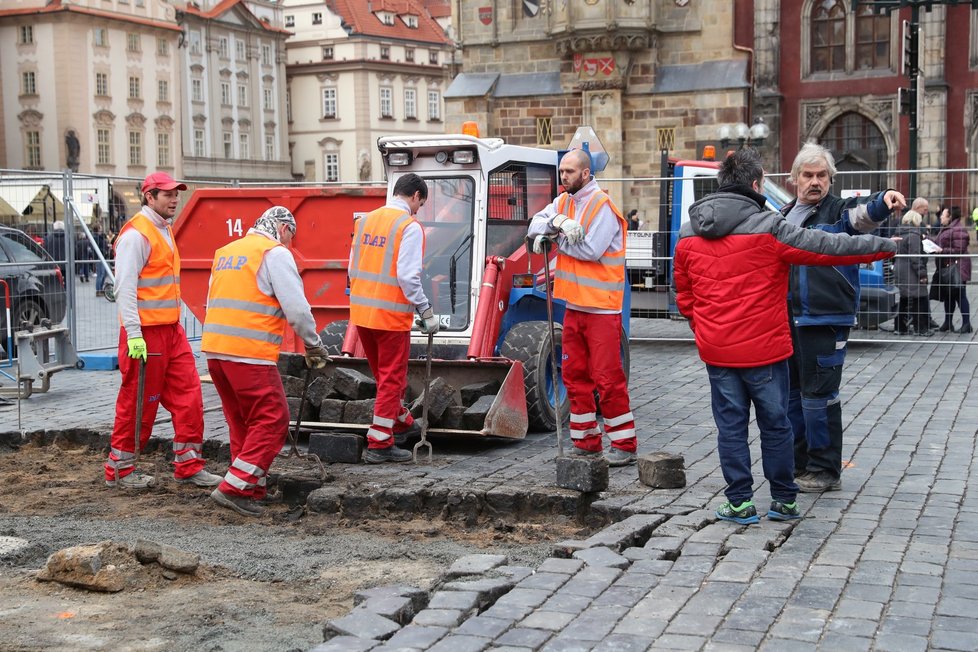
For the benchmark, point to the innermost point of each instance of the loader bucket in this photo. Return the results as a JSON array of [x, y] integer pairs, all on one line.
[[506, 417]]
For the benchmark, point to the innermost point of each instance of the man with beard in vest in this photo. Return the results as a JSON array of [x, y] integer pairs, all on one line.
[[147, 290], [255, 289], [385, 294], [590, 276]]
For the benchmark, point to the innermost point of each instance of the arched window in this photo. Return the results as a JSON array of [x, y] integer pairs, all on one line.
[[872, 39], [828, 32], [851, 132]]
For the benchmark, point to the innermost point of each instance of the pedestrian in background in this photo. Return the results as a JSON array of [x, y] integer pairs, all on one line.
[[385, 293], [590, 276], [103, 247], [148, 297], [634, 224], [54, 243], [953, 274], [732, 264], [83, 256], [910, 275], [823, 304], [254, 290]]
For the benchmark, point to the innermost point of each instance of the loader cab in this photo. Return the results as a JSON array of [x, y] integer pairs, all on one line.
[[482, 194]]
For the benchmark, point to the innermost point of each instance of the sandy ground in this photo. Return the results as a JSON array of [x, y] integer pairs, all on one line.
[[265, 584]]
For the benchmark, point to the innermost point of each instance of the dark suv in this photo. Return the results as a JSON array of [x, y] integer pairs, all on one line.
[[37, 288]]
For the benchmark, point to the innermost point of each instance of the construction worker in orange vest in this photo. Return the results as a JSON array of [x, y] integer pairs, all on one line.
[[147, 287], [254, 290], [590, 276], [385, 294]]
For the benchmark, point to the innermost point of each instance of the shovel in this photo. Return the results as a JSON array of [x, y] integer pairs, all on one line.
[[547, 244], [294, 434], [424, 443]]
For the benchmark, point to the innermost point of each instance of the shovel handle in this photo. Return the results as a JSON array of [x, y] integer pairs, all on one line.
[[424, 402]]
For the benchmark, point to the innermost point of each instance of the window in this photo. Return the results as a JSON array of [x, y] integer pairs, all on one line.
[[544, 131], [411, 21], [385, 52], [317, 18], [852, 132], [101, 38], [103, 147], [332, 165], [134, 88], [162, 48], [163, 150], [243, 146], [194, 42], [329, 102], [386, 102], [327, 52], [828, 36], [132, 43], [28, 83], [239, 47], [242, 95], [267, 102], [22, 248], [227, 144], [266, 55], [222, 47], [872, 40], [290, 21], [226, 93], [26, 34], [434, 105], [162, 91], [135, 148], [196, 90], [433, 57], [199, 149], [102, 84], [269, 147], [410, 104], [387, 18], [409, 54], [32, 149]]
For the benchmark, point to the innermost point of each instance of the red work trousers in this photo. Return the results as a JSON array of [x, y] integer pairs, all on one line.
[[592, 360], [171, 381], [387, 352], [257, 413]]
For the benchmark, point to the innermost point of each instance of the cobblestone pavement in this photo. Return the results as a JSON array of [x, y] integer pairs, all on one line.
[[890, 562]]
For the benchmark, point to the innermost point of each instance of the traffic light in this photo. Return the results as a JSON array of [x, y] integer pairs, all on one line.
[[911, 49]]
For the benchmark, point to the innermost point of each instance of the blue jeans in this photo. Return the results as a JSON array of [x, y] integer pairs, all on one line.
[[733, 390]]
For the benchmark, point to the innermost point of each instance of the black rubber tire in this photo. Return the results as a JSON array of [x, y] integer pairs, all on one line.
[[332, 336], [30, 311], [529, 342], [80, 364]]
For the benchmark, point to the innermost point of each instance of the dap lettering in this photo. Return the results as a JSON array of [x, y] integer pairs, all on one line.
[[374, 240], [230, 262]]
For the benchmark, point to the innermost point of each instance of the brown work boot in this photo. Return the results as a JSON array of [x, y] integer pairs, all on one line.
[[240, 504]]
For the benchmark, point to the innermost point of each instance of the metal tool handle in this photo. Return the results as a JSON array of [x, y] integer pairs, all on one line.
[[140, 395], [547, 242], [424, 404], [294, 435]]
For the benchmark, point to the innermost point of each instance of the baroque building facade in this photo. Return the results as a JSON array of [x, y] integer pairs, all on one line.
[[356, 71]]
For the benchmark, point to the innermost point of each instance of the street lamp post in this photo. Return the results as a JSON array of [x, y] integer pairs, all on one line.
[[742, 134]]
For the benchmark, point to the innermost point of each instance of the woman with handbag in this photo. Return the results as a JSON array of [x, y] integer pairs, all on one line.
[[953, 274], [910, 272]]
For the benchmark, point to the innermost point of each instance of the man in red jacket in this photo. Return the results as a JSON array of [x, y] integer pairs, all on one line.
[[731, 276]]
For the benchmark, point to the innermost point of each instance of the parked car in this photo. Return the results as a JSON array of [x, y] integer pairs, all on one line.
[[37, 287]]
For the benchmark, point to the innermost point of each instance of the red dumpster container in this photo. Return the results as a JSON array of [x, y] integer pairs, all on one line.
[[324, 217]]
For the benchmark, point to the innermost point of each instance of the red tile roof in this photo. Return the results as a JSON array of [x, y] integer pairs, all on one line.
[[226, 5], [439, 8], [55, 6], [360, 17]]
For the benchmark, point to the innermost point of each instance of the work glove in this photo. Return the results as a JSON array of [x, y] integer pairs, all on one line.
[[137, 348], [428, 322], [316, 356], [571, 229], [539, 244]]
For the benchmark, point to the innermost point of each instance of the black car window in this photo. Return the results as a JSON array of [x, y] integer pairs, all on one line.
[[21, 247]]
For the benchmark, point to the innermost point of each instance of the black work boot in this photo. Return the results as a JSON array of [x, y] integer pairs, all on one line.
[[389, 454]]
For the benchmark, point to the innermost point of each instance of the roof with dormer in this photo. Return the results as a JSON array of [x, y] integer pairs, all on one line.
[[224, 7], [361, 18]]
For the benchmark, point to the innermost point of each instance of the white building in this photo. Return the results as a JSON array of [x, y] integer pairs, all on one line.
[[359, 70]]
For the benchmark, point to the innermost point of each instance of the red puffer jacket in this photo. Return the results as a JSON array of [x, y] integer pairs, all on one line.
[[731, 274]]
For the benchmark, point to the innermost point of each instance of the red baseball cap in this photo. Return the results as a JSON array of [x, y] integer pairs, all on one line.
[[161, 181]]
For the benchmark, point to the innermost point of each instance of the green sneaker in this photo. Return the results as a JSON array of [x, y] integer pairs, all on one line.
[[744, 513], [783, 511]]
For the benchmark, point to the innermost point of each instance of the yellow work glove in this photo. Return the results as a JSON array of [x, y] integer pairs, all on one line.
[[137, 348]]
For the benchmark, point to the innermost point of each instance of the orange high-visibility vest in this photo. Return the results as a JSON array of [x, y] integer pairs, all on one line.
[[376, 298], [595, 284], [158, 287], [242, 320]]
